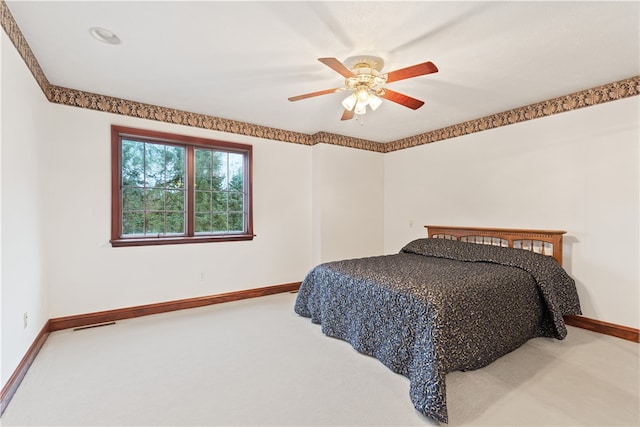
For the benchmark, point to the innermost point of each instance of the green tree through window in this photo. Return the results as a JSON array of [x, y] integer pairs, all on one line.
[[153, 189], [219, 191], [174, 189]]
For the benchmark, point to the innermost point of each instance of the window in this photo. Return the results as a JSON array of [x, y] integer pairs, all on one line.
[[169, 189]]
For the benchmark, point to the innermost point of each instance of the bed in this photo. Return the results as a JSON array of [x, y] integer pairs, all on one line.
[[453, 301]]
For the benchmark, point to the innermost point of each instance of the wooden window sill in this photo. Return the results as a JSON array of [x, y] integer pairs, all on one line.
[[155, 241]]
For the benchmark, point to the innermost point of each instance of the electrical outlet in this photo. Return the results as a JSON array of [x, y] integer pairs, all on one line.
[[201, 276], [25, 319]]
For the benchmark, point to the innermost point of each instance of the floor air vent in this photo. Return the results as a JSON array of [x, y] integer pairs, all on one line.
[[95, 325]]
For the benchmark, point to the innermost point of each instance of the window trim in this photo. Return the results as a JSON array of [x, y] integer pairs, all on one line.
[[118, 132]]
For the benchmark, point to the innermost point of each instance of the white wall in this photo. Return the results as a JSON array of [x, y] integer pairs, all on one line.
[[56, 189], [22, 280], [86, 274], [348, 202], [576, 171]]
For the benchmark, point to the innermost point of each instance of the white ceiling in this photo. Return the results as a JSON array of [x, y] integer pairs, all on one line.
[[241, 60]]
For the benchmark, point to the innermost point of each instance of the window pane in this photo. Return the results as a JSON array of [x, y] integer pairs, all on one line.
[[175, 223], [219, 202], [203, 223], [203, 201], [222, 172], [132, 163], [132, 223], [154, 165], [132, 199], [174, 200], [220, 222], [235, 202], [236, 172], [155, 200], [220, 168], [236, 221], [174, 167], [203, 170], [154, 223]]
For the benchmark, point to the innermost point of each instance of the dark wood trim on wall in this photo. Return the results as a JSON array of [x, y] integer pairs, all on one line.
[[13, 383], [624, 332], [83, 320], [87, 319]]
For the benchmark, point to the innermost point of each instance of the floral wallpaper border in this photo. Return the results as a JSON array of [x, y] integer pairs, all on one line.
[[15, 35], [586, 98], [72, 97]]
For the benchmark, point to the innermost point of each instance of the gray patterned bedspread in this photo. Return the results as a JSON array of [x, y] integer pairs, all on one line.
[[439, 306]]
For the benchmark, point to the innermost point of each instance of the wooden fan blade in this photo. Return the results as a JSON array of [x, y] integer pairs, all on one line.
[[401, 99], [312, 94], [338, 66], [347, 115], [413, 71]]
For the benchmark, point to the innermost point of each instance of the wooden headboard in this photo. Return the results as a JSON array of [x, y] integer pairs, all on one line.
[[547, 242]]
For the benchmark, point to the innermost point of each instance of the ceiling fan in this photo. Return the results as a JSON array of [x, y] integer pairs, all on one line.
[[364, 80]]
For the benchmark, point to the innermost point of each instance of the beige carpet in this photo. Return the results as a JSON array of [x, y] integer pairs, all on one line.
[[255, 362]]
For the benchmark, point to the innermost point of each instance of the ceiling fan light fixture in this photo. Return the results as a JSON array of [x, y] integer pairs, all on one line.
[[360, 108], [364, 80], [349, 102], [363, 94], [360, 99], [374, 102]]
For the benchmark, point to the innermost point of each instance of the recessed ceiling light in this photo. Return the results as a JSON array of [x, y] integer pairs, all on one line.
[[104, 35]]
